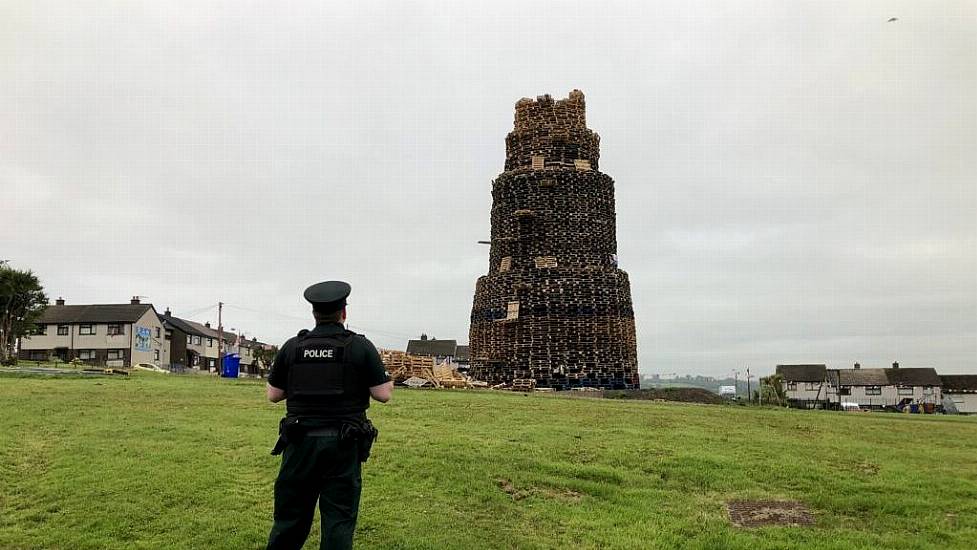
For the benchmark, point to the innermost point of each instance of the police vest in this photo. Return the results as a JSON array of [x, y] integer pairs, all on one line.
[[322, 382]]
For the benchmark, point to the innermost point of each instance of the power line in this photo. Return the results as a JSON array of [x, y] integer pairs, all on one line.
[[272, 313], [306, 319], [196, 311], [378, 331]]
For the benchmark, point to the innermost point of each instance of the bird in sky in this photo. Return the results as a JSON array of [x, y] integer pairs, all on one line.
[[892, 19]]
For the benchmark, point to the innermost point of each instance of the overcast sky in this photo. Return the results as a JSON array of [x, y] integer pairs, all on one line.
[[796, 181]]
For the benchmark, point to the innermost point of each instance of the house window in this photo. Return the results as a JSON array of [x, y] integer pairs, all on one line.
[[189, 341], [905, 390], [156, 354], [40, 329], [62, 330], [157, 332], [791, 386], [810, 386], [113, 354], [86, 354], [115, 329], [196, 340], [210, 342], [169, 334], [844, 391], [86, 330], [873, 390]]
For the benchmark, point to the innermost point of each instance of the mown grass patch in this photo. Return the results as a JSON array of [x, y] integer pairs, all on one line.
[[156, 461]]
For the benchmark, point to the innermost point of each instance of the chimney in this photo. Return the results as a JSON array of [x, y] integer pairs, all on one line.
[[858, 366], [895, 365], [59, 301], [134, 300], [207, 324], [167, 313]]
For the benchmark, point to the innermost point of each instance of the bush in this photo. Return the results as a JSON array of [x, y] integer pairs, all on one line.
[[9, 361]]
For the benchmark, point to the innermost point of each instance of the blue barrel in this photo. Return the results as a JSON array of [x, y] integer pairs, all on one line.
[[914, 408], [231, 366]]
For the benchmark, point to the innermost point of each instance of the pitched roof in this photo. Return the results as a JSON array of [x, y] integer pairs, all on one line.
[[211, 332], [181, 324], [432, 347], [889, 377], [95, 313], [913, 377], [197, 329], [959, 383], [802, 373], [862, 377]]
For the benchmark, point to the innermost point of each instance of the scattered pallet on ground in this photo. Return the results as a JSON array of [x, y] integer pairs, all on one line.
[[404, 367]]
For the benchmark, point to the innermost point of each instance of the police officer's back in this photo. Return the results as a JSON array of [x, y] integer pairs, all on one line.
[[327, 376]]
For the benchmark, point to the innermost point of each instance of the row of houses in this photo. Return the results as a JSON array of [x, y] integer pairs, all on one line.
[[816, 386], [124, 335]]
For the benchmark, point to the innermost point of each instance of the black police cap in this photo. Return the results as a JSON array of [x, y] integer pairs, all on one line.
[[328, 296]]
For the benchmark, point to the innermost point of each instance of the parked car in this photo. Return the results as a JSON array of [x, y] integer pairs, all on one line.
[[150, 367]]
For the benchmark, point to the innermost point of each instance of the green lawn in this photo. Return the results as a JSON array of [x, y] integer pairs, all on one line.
[[158, 461]]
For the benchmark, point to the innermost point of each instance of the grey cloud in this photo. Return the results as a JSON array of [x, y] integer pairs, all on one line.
[[795, 182]]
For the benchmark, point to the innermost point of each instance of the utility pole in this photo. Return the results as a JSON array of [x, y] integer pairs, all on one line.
[[759, 384], [749, 390], [220, 338], [736, 383]]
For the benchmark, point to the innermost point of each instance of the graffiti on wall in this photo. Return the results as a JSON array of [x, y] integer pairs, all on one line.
[[143, 340]]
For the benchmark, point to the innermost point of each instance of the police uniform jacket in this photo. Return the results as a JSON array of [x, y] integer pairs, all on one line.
[[327, 373]]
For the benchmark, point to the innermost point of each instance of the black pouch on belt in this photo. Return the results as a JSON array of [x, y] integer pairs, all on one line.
[[290, 431], [362, 433]]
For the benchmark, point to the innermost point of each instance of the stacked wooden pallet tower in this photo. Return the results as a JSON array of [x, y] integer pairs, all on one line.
[[554, 308]]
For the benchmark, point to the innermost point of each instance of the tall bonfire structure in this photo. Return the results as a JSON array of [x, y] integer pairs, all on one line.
[[553, 308]]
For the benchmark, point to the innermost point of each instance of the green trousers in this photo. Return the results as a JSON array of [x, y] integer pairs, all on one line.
[[318, 468]]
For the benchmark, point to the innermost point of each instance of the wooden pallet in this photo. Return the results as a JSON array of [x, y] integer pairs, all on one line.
[[403, 366]]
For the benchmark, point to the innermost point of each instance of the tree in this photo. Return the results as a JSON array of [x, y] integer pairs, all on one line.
[[265, 357], [772, 388], [22, 300]]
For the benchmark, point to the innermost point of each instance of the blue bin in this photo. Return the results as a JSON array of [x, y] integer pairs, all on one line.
[[914, 408], [231, 366]]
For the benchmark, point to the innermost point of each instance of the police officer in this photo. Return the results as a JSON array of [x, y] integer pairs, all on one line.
[[326, 376]]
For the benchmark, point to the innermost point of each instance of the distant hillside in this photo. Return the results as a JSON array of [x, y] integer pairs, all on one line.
[[696, 381]]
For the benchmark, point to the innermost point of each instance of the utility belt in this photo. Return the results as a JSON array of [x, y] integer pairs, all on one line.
[[292, 430]]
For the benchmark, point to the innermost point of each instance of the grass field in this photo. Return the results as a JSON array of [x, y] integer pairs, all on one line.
[[158, 461]]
